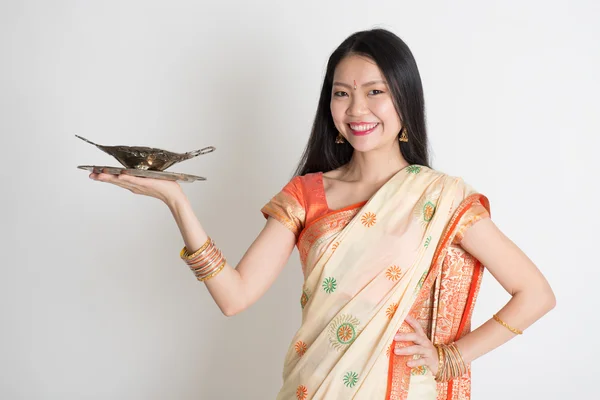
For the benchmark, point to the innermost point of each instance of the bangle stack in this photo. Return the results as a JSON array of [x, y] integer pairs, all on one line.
[[450, 363], [206, 262]]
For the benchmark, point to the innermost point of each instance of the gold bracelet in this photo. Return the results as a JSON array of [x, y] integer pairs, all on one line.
[[450, 363], [438, 375], [209, 268], [213, 274], [203, 261], [510, 328], [186, 256]]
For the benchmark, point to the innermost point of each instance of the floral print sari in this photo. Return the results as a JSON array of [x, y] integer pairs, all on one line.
[[366, 267]]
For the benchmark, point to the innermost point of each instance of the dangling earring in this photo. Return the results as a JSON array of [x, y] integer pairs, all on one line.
[[339, 139], [403, 135]]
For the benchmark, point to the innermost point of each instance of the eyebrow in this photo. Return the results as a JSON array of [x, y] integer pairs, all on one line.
[[364, 84]]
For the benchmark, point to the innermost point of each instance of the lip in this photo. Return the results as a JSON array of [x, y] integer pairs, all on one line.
[[363, 133]]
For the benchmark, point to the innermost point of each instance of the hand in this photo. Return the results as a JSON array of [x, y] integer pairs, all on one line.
[[422, 346], [160, 189]]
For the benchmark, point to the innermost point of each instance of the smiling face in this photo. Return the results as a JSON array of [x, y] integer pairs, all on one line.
[[366, 117]]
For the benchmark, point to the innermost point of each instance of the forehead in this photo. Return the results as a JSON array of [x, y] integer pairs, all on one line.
[[355, 67]]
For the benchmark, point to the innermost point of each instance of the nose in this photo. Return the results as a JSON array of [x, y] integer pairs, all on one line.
[[358, 106]]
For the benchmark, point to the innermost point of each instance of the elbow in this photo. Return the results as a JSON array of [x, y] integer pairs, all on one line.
[[231, 310], [550, 300], [541, 299], [545, 299]]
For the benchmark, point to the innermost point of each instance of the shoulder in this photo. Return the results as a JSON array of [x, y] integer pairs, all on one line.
[[458, 183]]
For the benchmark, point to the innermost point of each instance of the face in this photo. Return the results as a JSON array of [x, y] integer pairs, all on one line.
[[366, 117]]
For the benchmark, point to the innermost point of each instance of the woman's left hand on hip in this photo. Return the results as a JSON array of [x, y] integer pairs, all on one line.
[[422, 346]]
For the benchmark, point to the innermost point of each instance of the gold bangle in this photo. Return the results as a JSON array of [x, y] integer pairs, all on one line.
[[439, 375], [209, 268], [186, 256], [461, 367], [213, 274], [450, 363], [201, 262], [510, 328]]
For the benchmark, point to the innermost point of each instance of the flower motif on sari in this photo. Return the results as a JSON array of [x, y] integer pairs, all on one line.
[[350, 379], [304, 298], [343, 330], [420, 370], [391, 310], [301, 392], [413, 169], [300, 348], [428, 211], [329, 285], [368, 219], [393, 273], [427, 241], [425, 208]]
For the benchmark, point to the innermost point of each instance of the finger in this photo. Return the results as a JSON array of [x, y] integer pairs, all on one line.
[[114, 179], [415, 325], [130, 179], [407, 337], [417, 363], [410, 350]]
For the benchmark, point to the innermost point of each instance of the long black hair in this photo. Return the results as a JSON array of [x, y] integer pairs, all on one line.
[[396, 62]]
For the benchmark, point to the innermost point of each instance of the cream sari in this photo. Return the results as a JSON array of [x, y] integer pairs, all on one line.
[[365, 270]]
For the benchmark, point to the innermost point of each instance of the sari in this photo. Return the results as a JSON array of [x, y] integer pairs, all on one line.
[[366, 267]]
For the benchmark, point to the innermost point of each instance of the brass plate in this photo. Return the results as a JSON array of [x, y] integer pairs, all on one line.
[[169, 176]]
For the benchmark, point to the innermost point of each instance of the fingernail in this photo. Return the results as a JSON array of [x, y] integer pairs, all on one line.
[[397, 337], [397, 352]]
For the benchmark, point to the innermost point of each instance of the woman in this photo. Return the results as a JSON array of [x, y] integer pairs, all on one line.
[[391, 250]]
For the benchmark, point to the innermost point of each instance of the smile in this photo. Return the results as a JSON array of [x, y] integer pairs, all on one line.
[[362, 128]]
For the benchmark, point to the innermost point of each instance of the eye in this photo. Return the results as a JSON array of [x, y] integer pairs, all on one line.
[[375, 91], [340, 94]]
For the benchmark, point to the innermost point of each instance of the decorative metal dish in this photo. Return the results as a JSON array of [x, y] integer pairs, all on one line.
[[146, 162], [169, 176]]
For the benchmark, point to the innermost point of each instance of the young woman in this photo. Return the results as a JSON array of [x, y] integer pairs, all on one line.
[[392, 251]]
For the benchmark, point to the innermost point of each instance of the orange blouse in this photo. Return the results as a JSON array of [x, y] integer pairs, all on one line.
[[303, 200]]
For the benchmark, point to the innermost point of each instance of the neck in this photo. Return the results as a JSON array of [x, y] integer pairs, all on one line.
[[375, 166]]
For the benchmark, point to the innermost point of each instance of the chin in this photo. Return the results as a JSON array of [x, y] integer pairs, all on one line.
[[364, 146]]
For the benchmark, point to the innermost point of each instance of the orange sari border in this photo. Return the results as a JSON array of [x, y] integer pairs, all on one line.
[[325, 226], [398, 372]]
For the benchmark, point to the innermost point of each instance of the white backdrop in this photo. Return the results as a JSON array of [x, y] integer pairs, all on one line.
[[94, 301]]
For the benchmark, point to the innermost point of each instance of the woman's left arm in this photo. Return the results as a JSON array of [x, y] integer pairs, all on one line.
[[532, 296]]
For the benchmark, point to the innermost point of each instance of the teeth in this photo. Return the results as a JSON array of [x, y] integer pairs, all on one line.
[[362, 127]]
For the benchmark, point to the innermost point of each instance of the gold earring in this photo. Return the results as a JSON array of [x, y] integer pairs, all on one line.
[[339, 139], [403, 135]]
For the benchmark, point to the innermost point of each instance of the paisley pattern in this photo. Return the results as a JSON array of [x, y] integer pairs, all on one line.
[[304, 297]]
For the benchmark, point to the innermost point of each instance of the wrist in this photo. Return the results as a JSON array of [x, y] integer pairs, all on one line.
[[175, 200]]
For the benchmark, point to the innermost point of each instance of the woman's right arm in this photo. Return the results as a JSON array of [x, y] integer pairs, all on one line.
[[235, 289]]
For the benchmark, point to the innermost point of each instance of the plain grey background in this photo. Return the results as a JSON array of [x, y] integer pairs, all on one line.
[[94, 301]]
